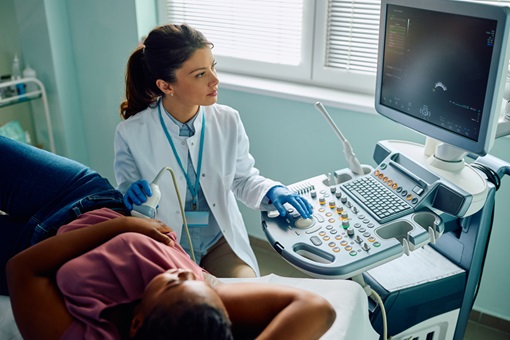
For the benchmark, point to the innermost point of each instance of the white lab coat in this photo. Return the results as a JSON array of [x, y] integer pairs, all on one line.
[[228, 172]]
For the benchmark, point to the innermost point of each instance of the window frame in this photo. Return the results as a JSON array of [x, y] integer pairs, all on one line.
[[268, 70], [311, 70], [352, 81]]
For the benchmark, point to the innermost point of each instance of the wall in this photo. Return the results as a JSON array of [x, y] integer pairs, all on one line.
[[79, 49], [10, 45]]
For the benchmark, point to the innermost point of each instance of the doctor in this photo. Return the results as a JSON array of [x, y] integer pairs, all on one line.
[[171, 119]]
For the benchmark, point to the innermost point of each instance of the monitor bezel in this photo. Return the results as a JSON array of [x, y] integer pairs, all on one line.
[[496, 80]]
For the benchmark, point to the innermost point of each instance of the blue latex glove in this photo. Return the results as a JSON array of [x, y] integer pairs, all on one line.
[[137, 193], [279, 195]]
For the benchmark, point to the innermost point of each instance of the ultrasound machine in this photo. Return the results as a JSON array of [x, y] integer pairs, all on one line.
[[414, 229]]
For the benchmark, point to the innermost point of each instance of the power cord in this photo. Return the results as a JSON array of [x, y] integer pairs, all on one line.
[[491, 175], [373, 294]]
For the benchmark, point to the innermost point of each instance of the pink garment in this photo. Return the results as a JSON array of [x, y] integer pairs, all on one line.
[[115, 272]]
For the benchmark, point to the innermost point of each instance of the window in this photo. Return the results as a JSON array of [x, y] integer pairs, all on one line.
[[329, 43]]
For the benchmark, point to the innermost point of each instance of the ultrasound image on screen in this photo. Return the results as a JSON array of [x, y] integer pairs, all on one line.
[[436, 67]]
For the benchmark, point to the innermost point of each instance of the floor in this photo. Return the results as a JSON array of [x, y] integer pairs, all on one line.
[[478, 326]]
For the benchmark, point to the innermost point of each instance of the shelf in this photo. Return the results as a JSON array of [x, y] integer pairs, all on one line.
[[40, 93], [18, 99]]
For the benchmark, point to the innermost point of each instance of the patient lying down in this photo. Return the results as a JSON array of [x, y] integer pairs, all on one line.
[[110, 276]]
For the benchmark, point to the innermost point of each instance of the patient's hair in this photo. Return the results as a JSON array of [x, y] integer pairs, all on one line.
[[164, 50], [186, 322]]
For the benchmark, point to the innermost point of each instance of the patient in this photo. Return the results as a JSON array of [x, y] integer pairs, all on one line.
[[106, 275], [40, 192]]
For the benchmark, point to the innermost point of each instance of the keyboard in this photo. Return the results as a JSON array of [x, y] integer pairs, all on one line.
[[379, 200]]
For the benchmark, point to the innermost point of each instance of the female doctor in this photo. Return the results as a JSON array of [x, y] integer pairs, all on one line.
[[171, 119]]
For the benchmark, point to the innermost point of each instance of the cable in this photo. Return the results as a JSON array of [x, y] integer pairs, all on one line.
[[494, 178], [185, 223], [372, 293], [379, 301], [482, 266], [491, 175]]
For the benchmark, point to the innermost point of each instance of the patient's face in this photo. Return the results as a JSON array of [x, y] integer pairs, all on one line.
[[178, 285]]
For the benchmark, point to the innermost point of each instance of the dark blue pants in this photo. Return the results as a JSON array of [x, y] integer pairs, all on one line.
[[40, 192]]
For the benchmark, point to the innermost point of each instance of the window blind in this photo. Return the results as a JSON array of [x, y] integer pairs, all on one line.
[[331, 43], [352, 35], [258, 30]]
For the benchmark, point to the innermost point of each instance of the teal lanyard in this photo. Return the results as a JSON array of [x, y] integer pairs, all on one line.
[[193, 190]]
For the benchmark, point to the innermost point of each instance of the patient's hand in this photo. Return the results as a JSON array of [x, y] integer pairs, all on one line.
[[212, 280], [150, 227]]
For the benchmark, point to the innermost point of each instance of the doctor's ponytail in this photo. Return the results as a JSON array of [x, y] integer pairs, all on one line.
[[164, 51]]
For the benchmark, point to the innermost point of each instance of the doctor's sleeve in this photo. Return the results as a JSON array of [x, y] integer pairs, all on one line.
[[124, 165], [249, 186]]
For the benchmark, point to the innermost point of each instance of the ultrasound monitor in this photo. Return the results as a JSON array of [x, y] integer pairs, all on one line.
[[442, 69]]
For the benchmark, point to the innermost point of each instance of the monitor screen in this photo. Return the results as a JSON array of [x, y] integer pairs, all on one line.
[[441, 69]]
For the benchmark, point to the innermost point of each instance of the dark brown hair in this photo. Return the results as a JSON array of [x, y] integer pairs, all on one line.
[[164, 50], [186, 322]]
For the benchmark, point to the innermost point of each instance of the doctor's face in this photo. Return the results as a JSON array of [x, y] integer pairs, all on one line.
[[196, 81]]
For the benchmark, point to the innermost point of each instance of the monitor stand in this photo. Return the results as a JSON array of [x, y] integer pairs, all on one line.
[[447, 162]]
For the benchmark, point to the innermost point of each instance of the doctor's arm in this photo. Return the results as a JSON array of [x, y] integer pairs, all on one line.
[[251, 188], [276, 312], [127, 175]]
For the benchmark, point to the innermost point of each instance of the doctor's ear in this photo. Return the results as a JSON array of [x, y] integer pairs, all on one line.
[[165, 87]]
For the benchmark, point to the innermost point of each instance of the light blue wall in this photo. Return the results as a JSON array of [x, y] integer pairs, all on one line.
[[103, 35], [80, 48], [46, 40], [290, 142]]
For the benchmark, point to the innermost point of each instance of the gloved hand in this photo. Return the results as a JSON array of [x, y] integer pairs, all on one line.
[[137, 193], [279, 195]]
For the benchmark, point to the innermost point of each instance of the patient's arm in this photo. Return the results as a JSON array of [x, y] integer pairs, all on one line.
[[37, 304], [280, 312]]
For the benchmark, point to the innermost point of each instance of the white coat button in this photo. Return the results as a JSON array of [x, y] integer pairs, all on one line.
[[182, 143], [178, 212]]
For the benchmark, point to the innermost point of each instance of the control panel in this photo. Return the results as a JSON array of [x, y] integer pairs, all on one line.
[[362, 221], [359, 222]]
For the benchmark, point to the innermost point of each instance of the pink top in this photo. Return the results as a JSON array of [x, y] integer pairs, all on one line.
[[114, 273]]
